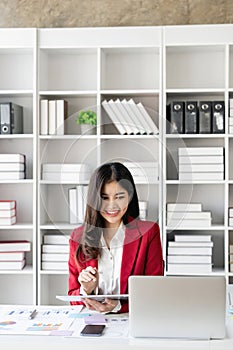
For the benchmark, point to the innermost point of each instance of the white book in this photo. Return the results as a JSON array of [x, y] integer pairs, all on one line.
[[189, 268], [55, 257], [7, 213], [114, 117], [8, 221], [12, 265], [231, 267], [189, 259], [231, 102], [192, 238], [12, 256], [217, 176], [147, 117], [12, 175], [145, 179], [54, 265], [52, 117], [197, 151], [143, 165], [55, 248], [140, 121], [44, 117], [73, 209], [184, 207], [61, 113], [231, 129], [65, 167], [62, 177], [152, 172], [190, 244], [189, 250], [126, 118], [230, 212], [12, 158], [231, 249], [7, 204], [56, 239], [143, 205], [188, 215], [230, 223], [12, 166], [202, 159], [80, 203], [136, 117], [201, 168], [119, 116], [231, 258], [189, 223], [15, 246]]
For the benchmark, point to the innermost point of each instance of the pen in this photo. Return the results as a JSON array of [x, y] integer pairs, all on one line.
[[32, 315]]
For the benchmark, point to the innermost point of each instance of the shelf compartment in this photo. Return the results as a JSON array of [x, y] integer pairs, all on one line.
[[195, 67], [13, 282], [50, 285]]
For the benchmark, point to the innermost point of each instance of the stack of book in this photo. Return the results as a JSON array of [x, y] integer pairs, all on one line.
[[7, 212], [201, 163], [146, 172], [77, 203], [231, 257], [52, 117], [12, 254], [72, 172], [143, 207], [190, 254], [55, 252], [230, 213], [12, 166], [230, 119], [187, 215], [130, 118]]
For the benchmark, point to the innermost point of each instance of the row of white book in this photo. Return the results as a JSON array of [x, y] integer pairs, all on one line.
[[52, 117], [12, 166], [190, 254], [130, 118], [77, 197], [60, 172], [13, 254], [145, 172], [7, 212], [231, 257], [201, 163], [230, 119], [55, 252], [187, 215]]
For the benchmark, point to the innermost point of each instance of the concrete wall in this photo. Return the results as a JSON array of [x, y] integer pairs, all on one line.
[[103, 13]]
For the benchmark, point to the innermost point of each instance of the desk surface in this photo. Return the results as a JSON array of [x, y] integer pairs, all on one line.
[[44, 342]]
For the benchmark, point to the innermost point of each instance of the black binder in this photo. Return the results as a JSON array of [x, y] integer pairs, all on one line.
[[191, 117], [205, 117], [176, 117], [218, 117]]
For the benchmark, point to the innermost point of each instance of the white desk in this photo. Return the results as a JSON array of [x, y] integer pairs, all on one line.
[[34, 342]]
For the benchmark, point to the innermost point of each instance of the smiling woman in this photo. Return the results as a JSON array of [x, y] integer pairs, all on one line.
[[113, 243]]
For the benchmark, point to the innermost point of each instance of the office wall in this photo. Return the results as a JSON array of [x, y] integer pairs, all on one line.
[[96, 13]]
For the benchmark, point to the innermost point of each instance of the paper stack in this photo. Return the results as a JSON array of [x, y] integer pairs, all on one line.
[[7, 212], [187, 215], [190, 254], [12, 254], [201, 163], [130, 118], [230, 119], [61, 172], [77, 203], [143, 172], [55, 252], [12, 166], [231, 257]]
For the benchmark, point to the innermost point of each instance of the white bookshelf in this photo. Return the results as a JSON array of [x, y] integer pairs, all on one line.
[[18, 69], [85, 66]]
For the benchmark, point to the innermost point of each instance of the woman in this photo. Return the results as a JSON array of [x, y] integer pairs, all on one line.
[[113, 243]]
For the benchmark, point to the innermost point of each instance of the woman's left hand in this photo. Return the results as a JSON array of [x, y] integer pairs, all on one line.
[[107, 306]]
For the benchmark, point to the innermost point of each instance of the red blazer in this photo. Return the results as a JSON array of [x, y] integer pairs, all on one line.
[[142, 255]]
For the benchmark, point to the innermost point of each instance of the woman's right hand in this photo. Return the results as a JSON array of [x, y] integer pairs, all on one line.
[[88, 279]]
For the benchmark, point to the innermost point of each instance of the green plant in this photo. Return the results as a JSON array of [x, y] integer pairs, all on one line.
[[86, 117]]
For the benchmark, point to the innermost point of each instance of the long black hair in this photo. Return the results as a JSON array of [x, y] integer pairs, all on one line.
[[94, 222]]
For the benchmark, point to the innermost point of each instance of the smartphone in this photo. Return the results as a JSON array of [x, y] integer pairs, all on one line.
[[92, 330]]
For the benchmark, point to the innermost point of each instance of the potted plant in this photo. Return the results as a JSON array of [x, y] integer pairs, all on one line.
[[87, 119]]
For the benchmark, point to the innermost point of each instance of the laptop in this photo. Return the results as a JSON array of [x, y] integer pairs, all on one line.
[[177, 307]]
